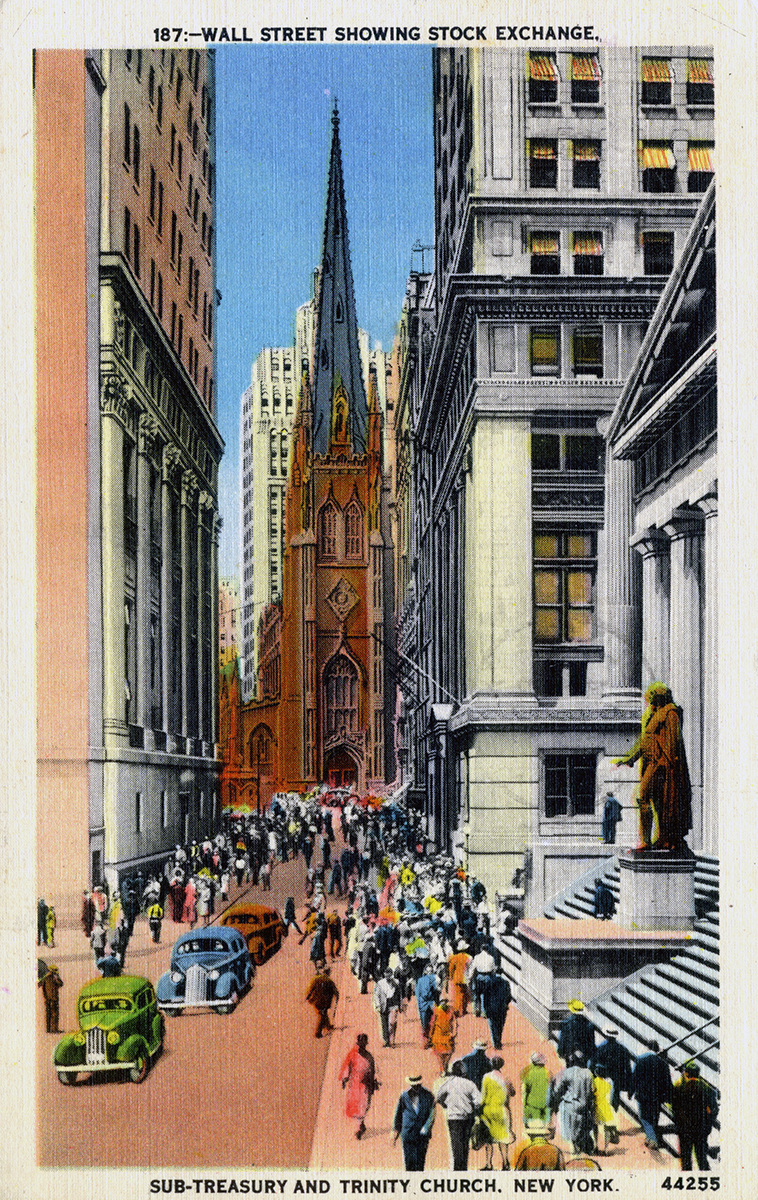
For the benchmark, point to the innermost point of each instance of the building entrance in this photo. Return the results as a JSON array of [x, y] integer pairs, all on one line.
[[340, 769]]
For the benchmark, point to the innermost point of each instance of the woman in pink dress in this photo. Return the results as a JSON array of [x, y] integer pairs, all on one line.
[[358, 1075]]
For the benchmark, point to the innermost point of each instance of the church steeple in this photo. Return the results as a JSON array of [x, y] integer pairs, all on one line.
[[337, 358]]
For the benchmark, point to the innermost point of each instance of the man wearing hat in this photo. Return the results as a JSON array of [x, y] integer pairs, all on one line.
[[694, 1106], [537, 1153], [51, 984], [496, 998], [476, 1064], [577, 1033], [651, 1087], [414, 1117], [617, 1061]]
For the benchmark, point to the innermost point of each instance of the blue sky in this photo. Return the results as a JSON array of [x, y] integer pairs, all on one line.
[[272, 142]]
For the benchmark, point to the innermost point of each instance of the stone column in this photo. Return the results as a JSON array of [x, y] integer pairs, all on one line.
[[685, 528], [171, 459], [146, 436], [709, 505], [205, 504], [116, 410], [653, 545], [620, 608], [189, 563]]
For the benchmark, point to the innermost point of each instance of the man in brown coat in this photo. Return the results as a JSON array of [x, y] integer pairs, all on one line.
[[538, 1153], [321, 994], [51, 983]]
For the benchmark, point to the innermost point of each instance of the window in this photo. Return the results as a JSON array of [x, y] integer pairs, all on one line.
[[341, 696], [699, 81], [159, 108], [136, 153], [546, 254], [179, 159], [151, 212], [543, 79], [585, 158], [179, 245], [136, 250], [189, 194], [588, 253], [655, 74], [543, 163], [700, 163], [567, 452], [569, 785], [585, 79], [553, 679], [151, 85], [180, 335], [160, 296], [173, 237], [190, 279], [545, 350], [172, 155], [160, 209], [658, 253], [127, 136], [587, 356], [353, 531], [658, 167], [127, 234], [179, 78], [565, 563], [327, 531], [138, 813]]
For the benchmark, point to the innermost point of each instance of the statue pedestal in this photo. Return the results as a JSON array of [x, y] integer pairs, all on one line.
[[563, 959], [656, 890]]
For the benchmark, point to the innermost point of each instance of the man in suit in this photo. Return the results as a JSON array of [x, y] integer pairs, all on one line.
[[476, 1064], [414, 1117], [651, 1086]]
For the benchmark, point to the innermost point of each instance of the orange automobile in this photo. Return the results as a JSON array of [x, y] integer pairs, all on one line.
[[262, 928]]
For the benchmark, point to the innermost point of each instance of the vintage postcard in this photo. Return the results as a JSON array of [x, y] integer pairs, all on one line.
[[379, 573]]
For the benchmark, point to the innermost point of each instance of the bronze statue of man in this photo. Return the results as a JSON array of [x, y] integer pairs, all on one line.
[[664, 795]]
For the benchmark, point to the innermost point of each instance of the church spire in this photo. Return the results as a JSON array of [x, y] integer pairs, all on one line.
[[337, 359]]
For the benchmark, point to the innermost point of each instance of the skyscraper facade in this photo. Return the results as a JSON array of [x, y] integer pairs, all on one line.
[[565, 184], [141, 508]]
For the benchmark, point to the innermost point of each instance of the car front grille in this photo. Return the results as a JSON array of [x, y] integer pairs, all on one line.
[[96, 1045], [196, 983]]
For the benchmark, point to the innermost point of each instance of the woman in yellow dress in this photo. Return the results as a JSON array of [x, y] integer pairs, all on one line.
[[605, 1114], [496, 1112]]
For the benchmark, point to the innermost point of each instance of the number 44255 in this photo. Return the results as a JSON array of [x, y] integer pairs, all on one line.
[[692, 1183]]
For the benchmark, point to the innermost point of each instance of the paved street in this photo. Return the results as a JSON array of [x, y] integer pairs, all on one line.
[[256, 1089]]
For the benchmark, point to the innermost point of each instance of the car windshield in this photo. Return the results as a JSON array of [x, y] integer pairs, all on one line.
[[204, 946], [105, 1003]]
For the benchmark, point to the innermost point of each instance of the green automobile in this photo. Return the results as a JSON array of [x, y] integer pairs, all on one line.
[[120, 1029]]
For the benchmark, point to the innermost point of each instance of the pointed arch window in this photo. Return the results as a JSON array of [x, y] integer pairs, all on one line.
[[339, 314], [353, 530], [327, 532], [341, 696]]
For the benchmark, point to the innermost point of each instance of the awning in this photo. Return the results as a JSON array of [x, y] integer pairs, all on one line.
[[656, 70], [700, 157], [699, 71], [585, 151], [657, 156], [542, 66], [544, 150], [585, 67], [545, 243], [588, 243]]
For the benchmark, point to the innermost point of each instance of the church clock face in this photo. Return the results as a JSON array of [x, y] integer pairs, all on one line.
[[342, 598]]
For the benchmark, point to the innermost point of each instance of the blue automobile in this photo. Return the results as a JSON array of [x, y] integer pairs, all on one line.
[[210, 968]]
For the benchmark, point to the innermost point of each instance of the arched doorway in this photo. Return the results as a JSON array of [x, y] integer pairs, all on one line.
[[340, 769]]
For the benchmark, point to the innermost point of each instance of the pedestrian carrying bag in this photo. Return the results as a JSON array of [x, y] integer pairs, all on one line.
[[480, 1135]]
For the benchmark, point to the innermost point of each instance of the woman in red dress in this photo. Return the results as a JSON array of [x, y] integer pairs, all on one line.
[[358, 1075]]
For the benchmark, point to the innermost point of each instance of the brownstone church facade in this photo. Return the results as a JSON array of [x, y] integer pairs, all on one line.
[[324, 705]]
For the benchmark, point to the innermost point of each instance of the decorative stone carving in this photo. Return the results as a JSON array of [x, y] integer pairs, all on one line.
[[189, 487], [147, 441], [115, 400], [342, 598]]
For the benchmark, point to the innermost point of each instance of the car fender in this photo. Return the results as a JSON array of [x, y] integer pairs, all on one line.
[[68, 1052], [134, 1046], [224, 985], [166, 989], [158, 1030]]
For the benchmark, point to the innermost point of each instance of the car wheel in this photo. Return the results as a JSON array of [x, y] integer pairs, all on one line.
[[67, 1077], [138, 1072], [230, 1005]]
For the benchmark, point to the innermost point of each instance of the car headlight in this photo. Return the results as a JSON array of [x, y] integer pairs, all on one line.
[[176, 977], [80, 1039], [113, 1037], [213, 974]]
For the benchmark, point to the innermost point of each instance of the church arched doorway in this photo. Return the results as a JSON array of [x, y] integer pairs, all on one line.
[[340, 769]]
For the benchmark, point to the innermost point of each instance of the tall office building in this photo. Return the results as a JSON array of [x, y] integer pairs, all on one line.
[[565, 185], [128, 456]]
